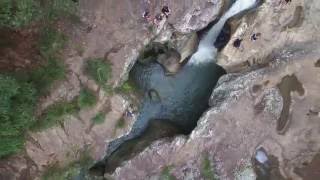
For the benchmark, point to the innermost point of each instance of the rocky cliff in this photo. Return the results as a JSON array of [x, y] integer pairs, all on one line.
[[269, 101], [112, 30]]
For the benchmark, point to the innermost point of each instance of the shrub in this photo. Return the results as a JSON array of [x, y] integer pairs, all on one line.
[[99, 70], [53, 9], [51, 43], [10, 145], [5, 12], [57, 173], [86, 99], [18, 13], [166, 175], [121, 123], [72, 170], [127, 87], [99, 118], [43, 77], [207, 170], [80, 49], [17, 102], [55, 114], [18, 95]]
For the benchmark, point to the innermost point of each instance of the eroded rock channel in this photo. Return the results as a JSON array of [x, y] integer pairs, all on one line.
[[260, 122], [168, 108], [175, 93]]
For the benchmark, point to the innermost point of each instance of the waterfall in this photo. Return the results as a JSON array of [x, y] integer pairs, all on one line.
[[206, 51]]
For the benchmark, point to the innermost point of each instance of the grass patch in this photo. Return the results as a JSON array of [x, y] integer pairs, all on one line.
[[20, 13], [69, 172], [52, 67], [207, 171], [127, 87], [17, 102], [54, 9], [50, 45], [79, 48], [56, 113], [44, 76], [166, 175], [99, 118], [19, 94], [100, 71], [51, 41], [14, 14], [59, 173], [86, 99], [121, 123]]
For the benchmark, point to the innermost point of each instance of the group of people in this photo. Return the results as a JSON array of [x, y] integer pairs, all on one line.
[[165, 12], [286, 1], [254, 37]]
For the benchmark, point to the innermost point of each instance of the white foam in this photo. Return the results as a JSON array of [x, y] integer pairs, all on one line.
[[206, 50], [261, 157], [203, 55], [239, 6]]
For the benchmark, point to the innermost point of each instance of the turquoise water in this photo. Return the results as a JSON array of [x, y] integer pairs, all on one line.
[[171, 105], [178, 100]]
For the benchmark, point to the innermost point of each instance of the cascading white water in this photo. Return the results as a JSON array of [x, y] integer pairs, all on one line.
[[206, 51], [239, 6]]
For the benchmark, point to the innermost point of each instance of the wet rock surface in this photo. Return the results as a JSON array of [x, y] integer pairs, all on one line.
[[116, 31], [121, 24], [240, 121], [279, 40], [270, 103], [274, 26]]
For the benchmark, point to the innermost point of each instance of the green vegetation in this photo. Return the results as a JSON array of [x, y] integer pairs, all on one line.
[[207, 171], [86, 99], [19, 13], [54, 115], [44, 76], [57, 173], [51, 41], [99, 118], [50, 45], [54, 9], [17, 102], [69, 172], [121, 123], [100, 71], [79, 48], [19, 92], [18, 97], [127, 87], [166, 175]]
